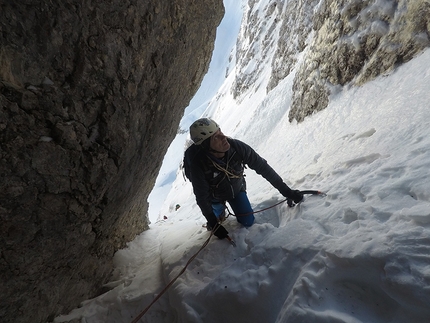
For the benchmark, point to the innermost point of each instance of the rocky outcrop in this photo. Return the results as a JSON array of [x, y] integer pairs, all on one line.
[[335, 43], [91, 95], [354, 42]]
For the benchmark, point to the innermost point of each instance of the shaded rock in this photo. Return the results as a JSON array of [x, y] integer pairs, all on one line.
[[91, 96]]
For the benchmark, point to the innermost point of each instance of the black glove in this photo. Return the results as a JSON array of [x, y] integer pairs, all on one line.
[[220, 231], [296, 196], [293, 196]]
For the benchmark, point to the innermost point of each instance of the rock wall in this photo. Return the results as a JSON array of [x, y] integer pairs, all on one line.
[[91, 95], [355, 41], [336, 42]]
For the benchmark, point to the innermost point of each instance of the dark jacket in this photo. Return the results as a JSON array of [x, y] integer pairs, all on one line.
[[213, 185]]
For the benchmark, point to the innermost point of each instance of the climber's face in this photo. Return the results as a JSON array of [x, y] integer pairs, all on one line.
[[219, 143]]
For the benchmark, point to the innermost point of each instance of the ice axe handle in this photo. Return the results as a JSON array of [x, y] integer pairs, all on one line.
[[310, 192], [231, 241], [313, 192]]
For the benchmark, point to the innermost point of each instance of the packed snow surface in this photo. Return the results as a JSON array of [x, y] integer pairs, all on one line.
[[359, 254]]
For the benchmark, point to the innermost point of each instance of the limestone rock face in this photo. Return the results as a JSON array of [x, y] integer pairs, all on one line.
[[354, 42], [325, 45], [91, 95]]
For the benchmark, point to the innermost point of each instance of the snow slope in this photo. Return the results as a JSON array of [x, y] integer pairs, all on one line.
[[360, 254], [221, 61]]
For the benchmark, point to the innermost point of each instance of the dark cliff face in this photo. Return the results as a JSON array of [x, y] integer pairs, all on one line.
[[91, 95]]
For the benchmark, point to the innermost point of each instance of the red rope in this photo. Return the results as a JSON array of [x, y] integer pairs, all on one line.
[[173, 280], [253, 212], [312, 192], [201, 248]]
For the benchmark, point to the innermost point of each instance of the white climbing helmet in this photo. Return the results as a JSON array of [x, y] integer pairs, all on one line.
[[202, 129]]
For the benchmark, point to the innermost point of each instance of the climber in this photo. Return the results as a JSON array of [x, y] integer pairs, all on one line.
[[215, 165]]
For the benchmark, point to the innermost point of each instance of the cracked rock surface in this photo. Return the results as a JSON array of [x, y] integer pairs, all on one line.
[[91, 96]]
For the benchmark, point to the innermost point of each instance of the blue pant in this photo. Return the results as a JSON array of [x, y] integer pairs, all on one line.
[[240, 205]]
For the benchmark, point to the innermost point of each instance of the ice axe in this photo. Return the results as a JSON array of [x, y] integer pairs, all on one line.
[[310, 192], [231, 241]]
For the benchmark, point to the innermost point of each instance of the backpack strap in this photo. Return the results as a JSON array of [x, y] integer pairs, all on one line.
[[190, 155]]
